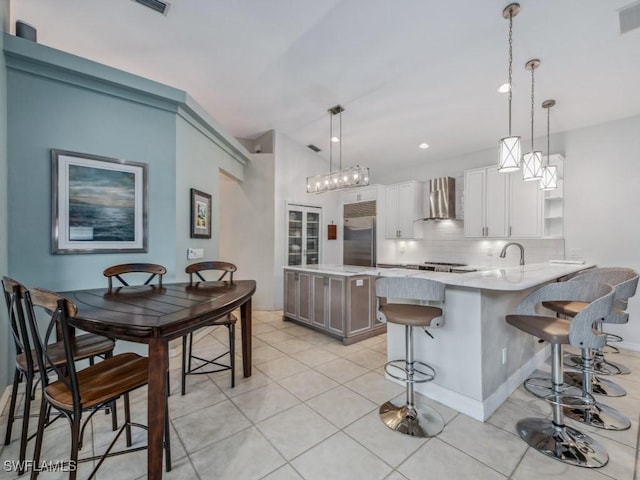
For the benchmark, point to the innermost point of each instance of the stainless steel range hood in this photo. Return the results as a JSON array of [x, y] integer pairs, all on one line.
[[442, 199]]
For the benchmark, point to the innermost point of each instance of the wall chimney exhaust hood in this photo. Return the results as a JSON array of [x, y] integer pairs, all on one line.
[[442, 199]]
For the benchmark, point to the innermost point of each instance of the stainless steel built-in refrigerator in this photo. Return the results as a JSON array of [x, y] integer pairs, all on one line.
[[359, 246]]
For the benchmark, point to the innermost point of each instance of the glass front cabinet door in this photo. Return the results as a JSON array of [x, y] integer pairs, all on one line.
[[303, 235]]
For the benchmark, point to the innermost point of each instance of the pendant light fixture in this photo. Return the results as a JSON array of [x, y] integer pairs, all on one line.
[[355, 176], [532, 161], [549, 179], [509, 159]]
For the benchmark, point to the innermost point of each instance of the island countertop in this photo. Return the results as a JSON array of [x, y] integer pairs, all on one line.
[[489, 278]]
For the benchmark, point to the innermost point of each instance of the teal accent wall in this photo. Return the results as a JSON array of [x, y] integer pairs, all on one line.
[[4, 324], [48, 114], [59, 101]]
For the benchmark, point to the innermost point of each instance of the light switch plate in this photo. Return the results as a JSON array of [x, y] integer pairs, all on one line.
[[194, 253]]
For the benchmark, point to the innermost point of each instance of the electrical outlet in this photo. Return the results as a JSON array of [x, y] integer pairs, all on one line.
[[193, 253], [489, 252], [575, 253], [504, 355], [359, 283]]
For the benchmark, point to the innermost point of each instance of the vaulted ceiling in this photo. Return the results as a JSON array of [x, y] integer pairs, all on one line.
[[406, 71]]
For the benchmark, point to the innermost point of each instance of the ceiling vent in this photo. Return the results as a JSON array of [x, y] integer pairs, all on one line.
[[157, 5], [629, 17], [313, 147]]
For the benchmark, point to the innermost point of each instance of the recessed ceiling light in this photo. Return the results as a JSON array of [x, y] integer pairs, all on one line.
[[335, 139], [504, 88], [423, 145]]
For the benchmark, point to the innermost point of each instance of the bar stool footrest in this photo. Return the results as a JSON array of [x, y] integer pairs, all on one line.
[[427, 374], [599, 386], [569, 396]]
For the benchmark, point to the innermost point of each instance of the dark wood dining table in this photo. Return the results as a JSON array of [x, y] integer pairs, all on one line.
[[155, 315]]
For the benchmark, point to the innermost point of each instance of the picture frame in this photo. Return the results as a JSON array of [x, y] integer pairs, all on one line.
[[200, 214], [99, 204]]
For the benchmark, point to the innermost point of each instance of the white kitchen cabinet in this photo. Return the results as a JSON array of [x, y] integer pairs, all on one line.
[[403, 207], [485, 203], [525, 207], [303, 235], [499, 205], [360, 194]]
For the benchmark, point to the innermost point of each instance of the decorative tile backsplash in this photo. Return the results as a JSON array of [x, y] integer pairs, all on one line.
[[444, 241]]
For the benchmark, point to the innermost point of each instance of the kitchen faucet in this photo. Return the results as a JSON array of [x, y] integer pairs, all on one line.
[[503, 253]]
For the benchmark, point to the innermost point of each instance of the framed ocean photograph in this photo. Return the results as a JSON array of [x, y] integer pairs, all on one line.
[[200, 214], [99, 204]]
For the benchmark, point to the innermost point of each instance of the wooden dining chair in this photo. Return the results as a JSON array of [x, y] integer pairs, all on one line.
[[87, 346], [206, 366], [116, 271], [76, 392]]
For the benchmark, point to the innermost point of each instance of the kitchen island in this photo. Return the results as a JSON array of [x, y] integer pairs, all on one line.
[[479, 359]]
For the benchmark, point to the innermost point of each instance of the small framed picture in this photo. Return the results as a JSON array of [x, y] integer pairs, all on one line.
[[200, 214], [99, 204]]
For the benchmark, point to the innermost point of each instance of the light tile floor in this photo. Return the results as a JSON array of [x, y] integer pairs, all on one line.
[[309, 411]]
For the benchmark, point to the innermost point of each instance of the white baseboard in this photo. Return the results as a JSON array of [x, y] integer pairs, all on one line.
[[635, 347]]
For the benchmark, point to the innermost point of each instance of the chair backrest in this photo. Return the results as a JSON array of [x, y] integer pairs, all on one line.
[[624, 280], [598, 296], [58, 309], [225, 267], [14, 295], [409, 288], [116, 271]]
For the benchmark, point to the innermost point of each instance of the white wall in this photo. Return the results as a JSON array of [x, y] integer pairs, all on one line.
[[602, 181], [4, 324], [247, 226]]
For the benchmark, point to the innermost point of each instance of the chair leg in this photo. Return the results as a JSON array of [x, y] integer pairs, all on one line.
[[185, 353], [25, 420], [127, 419], [167, 438], [410, 419], [76, 422], [232, 353], [112, 408], [38, 447], [12, 406]]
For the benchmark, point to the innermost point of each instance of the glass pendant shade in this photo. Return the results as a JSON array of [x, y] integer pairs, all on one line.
[[549, 179], [510, 152], [532, 166]]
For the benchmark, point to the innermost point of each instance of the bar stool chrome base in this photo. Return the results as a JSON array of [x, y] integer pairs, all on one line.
[[599, 415], [601, 367], [563, 443], [421, 421], [599, 386]]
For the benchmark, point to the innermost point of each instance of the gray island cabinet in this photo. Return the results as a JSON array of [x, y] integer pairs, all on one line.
[[337, 304]]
